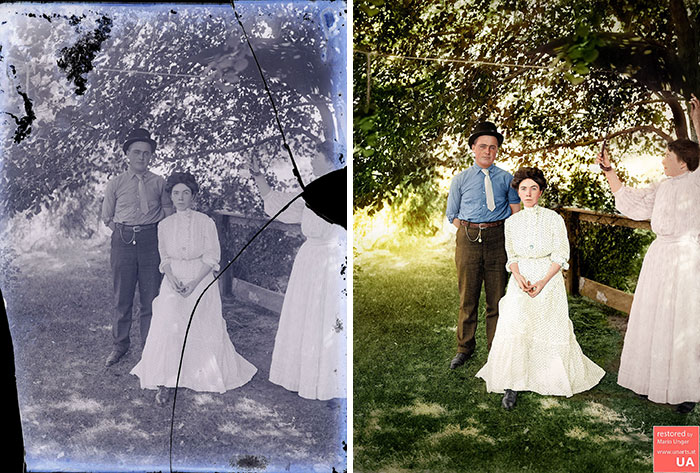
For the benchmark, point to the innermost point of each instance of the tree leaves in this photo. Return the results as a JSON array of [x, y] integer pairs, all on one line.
[[186, 78], [595, 57]]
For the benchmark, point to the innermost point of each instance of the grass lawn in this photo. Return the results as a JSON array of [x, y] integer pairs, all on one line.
[[78, 415], [412, 413]]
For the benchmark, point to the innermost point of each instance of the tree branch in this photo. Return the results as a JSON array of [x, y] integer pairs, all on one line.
[[678, 114], [590, 141]]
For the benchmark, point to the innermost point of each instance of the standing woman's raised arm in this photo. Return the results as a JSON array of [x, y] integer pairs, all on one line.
[[695, 114]]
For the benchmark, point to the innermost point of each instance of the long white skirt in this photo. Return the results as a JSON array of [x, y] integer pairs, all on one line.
[[309, 346], [534, 347], [210, 361], [661, 354]]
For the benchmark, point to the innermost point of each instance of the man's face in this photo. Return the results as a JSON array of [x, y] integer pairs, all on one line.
[[485, 150], [139, 155]]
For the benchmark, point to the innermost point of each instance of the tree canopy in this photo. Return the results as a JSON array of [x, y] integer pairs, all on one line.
[[79, 78], [557, 77]]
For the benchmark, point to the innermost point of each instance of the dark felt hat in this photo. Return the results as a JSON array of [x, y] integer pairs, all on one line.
[[139, 134], [485, 128]]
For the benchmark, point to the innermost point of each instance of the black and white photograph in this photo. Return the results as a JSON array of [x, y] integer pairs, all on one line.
[[173, 228]]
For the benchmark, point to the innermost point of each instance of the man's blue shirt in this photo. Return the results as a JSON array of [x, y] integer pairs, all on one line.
[[467, 198]]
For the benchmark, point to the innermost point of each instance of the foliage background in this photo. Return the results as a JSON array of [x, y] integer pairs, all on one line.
[[557, 77], [77, 78]]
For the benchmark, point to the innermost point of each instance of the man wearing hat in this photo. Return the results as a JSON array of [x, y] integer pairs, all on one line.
[[135, 201], [479, 201]]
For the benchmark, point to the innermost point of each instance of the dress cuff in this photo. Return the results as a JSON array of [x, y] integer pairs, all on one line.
[[560, 261], [211, 262], [163, 263]]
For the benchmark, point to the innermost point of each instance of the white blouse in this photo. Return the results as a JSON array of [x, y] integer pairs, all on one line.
[[188, 235], [673, 205], [536, 233]]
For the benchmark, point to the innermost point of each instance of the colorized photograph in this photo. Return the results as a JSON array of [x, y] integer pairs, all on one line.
[[526, 242], [173, 219]]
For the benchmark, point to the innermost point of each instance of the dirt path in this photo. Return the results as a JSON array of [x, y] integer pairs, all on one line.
[[76, 414]]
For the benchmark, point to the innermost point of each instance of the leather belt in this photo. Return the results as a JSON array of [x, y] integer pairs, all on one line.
[[137, 228], [466, 223]]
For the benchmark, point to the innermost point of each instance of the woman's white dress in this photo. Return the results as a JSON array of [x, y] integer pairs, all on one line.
[[310, 345], [534, 347], [661, 354], [188, 242]]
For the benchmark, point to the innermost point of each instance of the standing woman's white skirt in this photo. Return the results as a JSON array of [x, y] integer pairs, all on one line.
[[310, 345]]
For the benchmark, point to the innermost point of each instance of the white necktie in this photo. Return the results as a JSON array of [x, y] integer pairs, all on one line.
[[490, 202], [143, 199]]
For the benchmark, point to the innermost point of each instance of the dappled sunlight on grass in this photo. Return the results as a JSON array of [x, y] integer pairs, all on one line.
[[549, 403], [76, 404], [412, 412], [208, 400], [423, 409], [106, 428], [602, 413], [472, 432]]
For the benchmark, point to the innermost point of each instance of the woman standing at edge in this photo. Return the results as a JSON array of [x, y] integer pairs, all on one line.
[[310, 345], [661, 354]]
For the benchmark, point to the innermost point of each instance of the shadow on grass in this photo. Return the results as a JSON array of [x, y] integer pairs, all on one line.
[[412, 413]]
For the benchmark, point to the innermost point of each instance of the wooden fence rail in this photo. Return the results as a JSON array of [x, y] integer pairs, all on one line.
[[579, 285], [231, 286]]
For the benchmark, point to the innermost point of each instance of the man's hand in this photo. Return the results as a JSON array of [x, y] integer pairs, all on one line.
[[455, 222]]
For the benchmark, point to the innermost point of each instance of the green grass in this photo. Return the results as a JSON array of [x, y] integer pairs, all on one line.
[[412, 413]]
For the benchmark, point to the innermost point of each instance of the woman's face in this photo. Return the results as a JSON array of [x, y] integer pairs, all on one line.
[[181, 196], [672, 165], [529, 192]]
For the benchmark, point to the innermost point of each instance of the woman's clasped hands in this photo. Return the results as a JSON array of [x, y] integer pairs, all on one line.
[[181, 288], [527, 287]]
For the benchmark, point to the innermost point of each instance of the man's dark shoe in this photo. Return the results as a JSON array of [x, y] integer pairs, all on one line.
[[459, 360], [113, 358], [509, 399], [685, 407]]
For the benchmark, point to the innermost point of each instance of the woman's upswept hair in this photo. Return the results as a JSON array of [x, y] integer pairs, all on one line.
[[529, 173], [181, 178]]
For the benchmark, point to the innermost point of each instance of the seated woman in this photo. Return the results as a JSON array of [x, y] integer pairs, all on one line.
[[661, 353], [189, 253], [534, 347]]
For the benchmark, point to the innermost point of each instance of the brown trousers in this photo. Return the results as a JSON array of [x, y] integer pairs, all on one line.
[[476, 263]]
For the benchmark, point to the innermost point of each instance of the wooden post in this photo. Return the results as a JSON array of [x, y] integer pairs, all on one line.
[[223, 227], [574, 272]]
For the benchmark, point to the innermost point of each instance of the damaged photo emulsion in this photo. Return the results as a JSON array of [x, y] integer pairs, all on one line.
[[153, 236]]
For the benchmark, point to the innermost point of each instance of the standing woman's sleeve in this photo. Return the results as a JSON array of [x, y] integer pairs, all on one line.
[[636, 204], [274, 201]]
